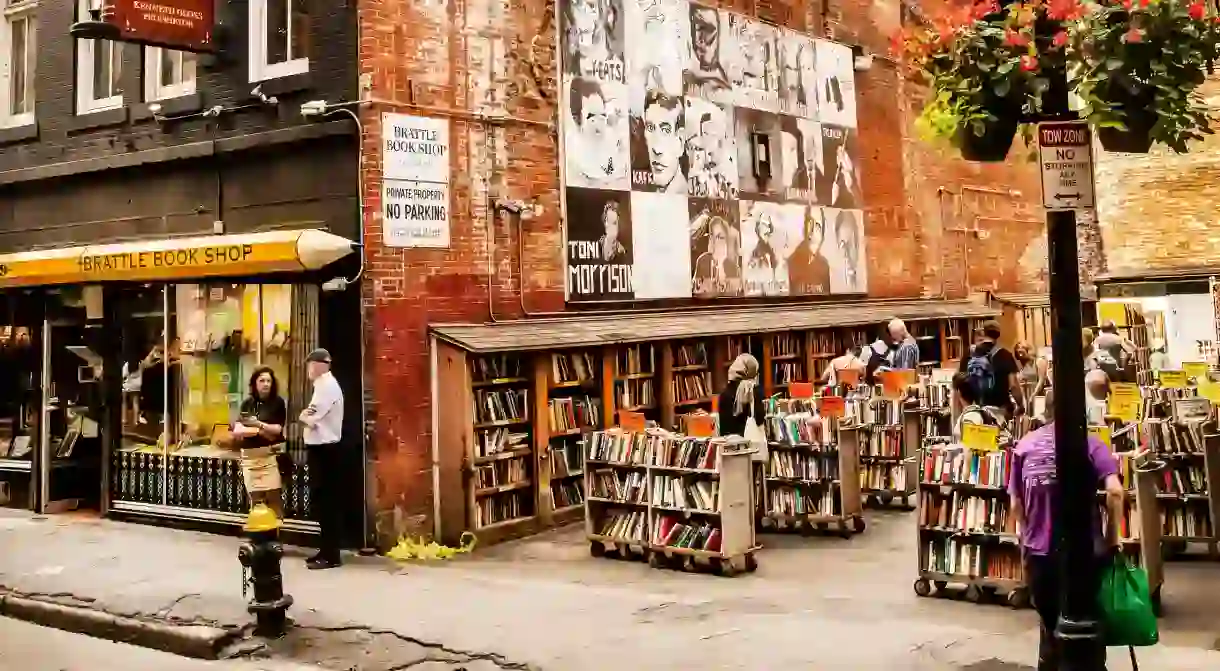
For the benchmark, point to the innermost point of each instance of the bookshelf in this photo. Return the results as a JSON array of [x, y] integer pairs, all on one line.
[[691, 386], [785, 360], [1190, 454], [571, 396], [677, 501], [1140, 530], [810, 479], [957, 339], [888, 440], [502, 477], [927, 334], [639, 382]]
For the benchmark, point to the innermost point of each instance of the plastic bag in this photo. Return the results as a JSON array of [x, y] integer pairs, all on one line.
[[1125, 605]]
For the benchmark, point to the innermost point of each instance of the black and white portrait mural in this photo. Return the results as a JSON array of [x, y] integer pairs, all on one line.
[[705, 154]]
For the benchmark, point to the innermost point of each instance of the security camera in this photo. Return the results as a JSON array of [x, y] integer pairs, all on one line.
[[335, 284], [263, 97], [863, 63], [510, 206], [155, 108], [313, 108]]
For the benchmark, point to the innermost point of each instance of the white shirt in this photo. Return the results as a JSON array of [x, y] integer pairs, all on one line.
[[327, 407]]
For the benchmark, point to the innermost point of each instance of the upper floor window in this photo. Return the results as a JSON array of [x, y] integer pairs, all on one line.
[[18, 59], [279, 38], [99, 65], [168, 73]]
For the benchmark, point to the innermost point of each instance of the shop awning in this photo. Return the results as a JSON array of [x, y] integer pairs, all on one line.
[[176, 258], [592, 330]]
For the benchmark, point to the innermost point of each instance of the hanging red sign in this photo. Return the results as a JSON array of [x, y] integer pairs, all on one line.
[[185, 25]]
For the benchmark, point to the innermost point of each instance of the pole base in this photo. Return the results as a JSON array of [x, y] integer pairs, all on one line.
[[1081, 646]]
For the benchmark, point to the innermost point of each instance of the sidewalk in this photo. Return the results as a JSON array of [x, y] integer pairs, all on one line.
[[544, 604]]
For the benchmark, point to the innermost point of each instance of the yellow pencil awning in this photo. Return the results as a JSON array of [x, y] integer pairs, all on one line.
[[176, 258]]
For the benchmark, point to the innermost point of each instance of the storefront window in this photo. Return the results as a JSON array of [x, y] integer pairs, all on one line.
[[217, 335], [20, 373]]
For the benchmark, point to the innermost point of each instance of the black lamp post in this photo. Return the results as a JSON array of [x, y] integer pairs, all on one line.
[[94, 28]]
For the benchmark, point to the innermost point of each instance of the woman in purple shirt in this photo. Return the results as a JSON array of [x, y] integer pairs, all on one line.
[[1031, 486]]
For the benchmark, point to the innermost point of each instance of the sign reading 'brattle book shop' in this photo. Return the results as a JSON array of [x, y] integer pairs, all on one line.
[[176, 24]]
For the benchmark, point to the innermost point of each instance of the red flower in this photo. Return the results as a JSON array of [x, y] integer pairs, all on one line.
[[1134, 35], [1064, 10], [1015, 39], [1029, 63], [1197, 10], [1127, 4], [1060, 39], [983, 8]]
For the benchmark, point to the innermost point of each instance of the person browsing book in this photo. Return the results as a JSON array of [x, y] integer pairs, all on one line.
[[994, 372], [741, 398], [261, 424], [323, 421], [1032, 485]]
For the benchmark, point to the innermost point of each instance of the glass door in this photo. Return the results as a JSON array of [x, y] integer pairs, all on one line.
[[70, 438]]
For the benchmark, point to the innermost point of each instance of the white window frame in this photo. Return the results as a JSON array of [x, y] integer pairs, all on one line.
[[153, 89], [260, 69], [13, 9], [86, 103]]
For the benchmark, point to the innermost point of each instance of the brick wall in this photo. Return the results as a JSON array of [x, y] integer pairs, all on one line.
[[1158, 211], [928, 211]]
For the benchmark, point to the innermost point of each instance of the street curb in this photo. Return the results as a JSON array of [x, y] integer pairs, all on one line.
[[196, 641]]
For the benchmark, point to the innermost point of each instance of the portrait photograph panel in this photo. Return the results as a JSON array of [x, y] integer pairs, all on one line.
[[711, 158], [794, 175], [797, 77], [715, 248], [836, 84], [769, 233], [752, 185], [661, 237], [809, 270], [754, 65], [839, 186], [845, 250], [658, 144], [706, 75], [592, 43], [597, 134], [599, 252], [658, 48]]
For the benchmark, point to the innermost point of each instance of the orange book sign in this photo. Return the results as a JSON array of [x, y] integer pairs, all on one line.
[[700, 426], [848, 376], [632, 421], [894, 383], [800, 390], [715, 404], [832, 406]]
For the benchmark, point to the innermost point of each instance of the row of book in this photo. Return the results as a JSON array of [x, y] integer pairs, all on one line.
[[510, 505], [1157, 402], [690, 354], [569, 367], [628, 526], [635, 393], [502, 472], [884, 477], [501, 405], [635, 359], [674, 532], [678, 492], [964, 512], [1183, 478], [567, 493], [497, 367], [802, 428], [935, 396], [881, 444], [654, 448], [785, 344], [1168, 437], [953, 557], [950, 464], [570, 414], [798, 465], [567, 458], [619, 485], [693, 386], [879, 412], [496, 441], [787, 372], [788, 500], [1186, 521]]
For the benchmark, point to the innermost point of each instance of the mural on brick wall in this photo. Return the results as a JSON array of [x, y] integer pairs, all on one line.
[[664, 103]]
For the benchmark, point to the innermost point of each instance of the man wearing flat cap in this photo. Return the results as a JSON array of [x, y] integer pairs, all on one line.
[[323, 421]]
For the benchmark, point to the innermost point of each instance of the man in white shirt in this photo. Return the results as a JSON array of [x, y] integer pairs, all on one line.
[[323, 421]]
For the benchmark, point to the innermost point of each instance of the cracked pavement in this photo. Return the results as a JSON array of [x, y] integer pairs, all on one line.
[[544, 604]]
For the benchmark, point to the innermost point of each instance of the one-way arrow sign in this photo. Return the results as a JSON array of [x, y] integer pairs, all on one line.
[[1065, 152]]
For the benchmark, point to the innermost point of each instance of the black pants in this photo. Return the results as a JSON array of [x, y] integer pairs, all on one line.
[[1042, 575], [325, 466]]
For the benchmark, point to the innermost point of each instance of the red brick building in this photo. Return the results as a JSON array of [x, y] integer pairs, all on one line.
[[936, 227]]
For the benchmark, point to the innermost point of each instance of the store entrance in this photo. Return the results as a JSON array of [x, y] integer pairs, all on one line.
[[70, 437]]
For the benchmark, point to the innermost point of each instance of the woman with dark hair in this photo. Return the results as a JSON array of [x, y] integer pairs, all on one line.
[[260, 426]]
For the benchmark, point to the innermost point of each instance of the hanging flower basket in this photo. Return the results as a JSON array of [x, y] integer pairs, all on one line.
[[988, 141], [1135, 138]]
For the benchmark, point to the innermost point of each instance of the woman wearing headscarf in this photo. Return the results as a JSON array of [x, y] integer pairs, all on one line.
[[741, 397]]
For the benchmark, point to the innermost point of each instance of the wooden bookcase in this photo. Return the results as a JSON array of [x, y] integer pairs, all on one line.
[[501, 490], [928, 334], [571, 396], [639, 374], [889, 453], [690, 382], [956, 340], [785, 359]]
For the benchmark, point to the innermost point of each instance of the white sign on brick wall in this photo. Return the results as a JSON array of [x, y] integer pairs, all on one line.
[[415, 181]]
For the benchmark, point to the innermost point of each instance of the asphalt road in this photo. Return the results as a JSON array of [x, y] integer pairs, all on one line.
[[28, 647]]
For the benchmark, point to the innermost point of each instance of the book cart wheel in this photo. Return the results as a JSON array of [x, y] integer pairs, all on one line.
[[858, 524], [923, 587], [886, 498], [724, 568], [751, 563], [655, 560], [974, 594], [805, 527], [597, 549], [1018, 598]]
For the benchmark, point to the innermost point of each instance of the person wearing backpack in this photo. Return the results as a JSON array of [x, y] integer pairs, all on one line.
[[994, 373], [1112, 352]]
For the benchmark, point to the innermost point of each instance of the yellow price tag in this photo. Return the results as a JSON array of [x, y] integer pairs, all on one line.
[[1112, 312], [1210, 391], [1195, 369], [1103, 434], [1172, 379], [981, 437], [1124, 401]]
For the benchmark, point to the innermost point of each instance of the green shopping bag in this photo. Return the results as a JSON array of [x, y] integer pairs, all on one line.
[[1126, 605]]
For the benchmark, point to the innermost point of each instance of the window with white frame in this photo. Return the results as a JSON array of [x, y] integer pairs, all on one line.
[[98, 69], [279, 38], [18, 59], [168, 73]]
